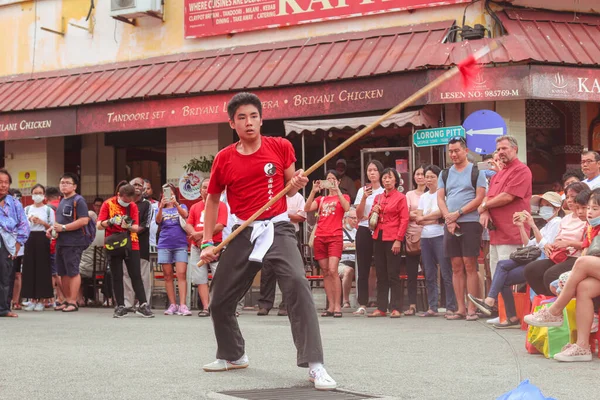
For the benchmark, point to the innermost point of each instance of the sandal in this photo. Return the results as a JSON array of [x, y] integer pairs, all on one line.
[[396, 314], [346, 305], [472, 317], [204, 313], [75, 308], [456, 317], [17, 307], [377, 313], [428, 313], [337, 314], [327, 314], [360, 311], [61, 306], [410, 312]]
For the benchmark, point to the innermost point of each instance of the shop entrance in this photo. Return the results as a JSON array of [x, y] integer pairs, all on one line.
[[400, 158]]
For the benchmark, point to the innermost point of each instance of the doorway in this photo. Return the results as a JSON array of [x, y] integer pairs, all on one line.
[[399, 158]]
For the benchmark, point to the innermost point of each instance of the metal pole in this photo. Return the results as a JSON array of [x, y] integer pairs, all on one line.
[[324, 153]]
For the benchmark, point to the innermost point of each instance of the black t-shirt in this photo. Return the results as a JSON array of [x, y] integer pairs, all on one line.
[[64, 216], [144, 237]]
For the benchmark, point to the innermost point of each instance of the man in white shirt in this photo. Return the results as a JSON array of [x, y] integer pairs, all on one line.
[[348, 260], [295, 208], [590, 165]]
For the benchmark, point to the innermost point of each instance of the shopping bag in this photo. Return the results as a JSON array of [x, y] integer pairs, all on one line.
[[550, 341], [522, 305], [536, 301], [525, 391]]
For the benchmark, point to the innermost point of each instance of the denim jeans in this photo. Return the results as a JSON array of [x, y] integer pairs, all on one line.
[[507, 274], [432, 254]]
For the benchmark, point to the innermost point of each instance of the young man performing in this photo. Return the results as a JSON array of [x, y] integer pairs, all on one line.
[[253, 170]]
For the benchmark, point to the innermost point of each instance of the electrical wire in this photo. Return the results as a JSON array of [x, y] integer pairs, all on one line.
[[492, 14], [465, 11], [514, 352]]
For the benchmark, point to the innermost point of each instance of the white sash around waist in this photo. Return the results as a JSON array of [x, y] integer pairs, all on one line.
[[263, 233]]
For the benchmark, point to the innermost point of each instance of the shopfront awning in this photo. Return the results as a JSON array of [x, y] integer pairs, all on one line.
[[414, 118]]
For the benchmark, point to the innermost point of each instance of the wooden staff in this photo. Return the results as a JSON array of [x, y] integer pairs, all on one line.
[[465, 68]]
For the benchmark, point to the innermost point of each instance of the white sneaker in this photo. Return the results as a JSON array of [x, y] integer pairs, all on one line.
[[29, 307], [224, 365], [321, 379], [38, 307], [493, 321]]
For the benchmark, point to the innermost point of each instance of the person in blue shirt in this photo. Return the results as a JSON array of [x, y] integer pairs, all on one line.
[[14, 231]]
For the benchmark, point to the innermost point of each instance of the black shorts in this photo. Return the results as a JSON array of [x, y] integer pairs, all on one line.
[[68, 259], [466, 245]]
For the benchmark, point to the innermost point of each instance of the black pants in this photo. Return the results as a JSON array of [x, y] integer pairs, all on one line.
[[412, 270], [267, 284], [6, 270], [541, 273], [234, 279], [37, 274], [387, 266], [133, 268], [364, 260]]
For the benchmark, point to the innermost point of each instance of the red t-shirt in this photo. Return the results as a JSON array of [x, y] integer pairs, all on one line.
[[331, 216], [590, 234], [196, 219], [252, 180], [514, 179], [111, 208]]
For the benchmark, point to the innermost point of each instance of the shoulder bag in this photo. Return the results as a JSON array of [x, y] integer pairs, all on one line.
[[118, 244], [374, 218], [525, 255], [311, 239]]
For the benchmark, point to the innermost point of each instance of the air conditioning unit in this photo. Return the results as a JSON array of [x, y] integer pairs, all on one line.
[[125, 9]]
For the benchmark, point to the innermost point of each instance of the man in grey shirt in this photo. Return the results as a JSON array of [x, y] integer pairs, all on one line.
[[460, 191]]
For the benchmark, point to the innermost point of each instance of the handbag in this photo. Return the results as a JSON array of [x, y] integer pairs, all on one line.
[[373, 220], [558, 256], [313, 233], [413, 244], [525, 255], [594, 249]]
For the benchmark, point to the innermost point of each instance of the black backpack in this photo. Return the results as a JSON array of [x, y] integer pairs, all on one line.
[[474, 176]]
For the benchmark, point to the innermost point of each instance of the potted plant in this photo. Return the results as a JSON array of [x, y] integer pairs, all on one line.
[[202, 164]]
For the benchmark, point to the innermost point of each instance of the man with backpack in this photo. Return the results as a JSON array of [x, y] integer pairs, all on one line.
[[73, 236], [461, 190]]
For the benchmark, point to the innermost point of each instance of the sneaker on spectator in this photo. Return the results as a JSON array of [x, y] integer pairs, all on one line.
[[29, 307], [224, 365], [543, 317], [26, 303], [184, 310], [574, 353], [120, 312], [38, 307], [493, 321], [172, 310], [144, 311], [321, 379]]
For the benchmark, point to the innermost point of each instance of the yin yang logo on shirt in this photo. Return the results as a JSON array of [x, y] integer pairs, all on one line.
[[270, 169]]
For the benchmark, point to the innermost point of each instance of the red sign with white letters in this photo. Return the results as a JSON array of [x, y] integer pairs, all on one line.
[[220, 17]]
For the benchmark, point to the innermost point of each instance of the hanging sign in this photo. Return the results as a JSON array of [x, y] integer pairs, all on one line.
[[437, 136]]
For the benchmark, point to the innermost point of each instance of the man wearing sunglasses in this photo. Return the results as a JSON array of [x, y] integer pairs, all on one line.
[[461, 190]]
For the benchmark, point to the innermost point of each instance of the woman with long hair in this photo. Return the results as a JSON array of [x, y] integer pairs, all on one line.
[[172, 249], [412, 244], [389, 234], [329, 237], [37, 274], [364, 237]]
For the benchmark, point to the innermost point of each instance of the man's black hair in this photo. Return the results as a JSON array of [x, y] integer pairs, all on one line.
[[71, 176], [14, 192], [4, 171], [243, 99], [52, 192], [573, 173], [100, 199], [594, 153], [487, 157], [127, 190]]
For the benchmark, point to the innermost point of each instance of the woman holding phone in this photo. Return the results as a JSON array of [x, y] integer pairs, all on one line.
[[364, 240], [172, 248], [329, 237]]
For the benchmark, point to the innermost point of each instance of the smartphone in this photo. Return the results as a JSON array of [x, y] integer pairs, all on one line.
[[167, 192], [325, 184], [483, 165]]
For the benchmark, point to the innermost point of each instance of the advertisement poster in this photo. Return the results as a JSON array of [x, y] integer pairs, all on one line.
[[27, 179]]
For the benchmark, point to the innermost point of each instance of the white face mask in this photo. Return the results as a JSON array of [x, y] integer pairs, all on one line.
[[123, 203], [546, 212], [37, 198]]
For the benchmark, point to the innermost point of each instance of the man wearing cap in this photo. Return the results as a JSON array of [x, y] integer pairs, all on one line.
[[509, 192], [346, 183]]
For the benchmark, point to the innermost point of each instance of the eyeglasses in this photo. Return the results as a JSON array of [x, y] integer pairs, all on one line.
[[457, 139], [66, 183], [587, 162]]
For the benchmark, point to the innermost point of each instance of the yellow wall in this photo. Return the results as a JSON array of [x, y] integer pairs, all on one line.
[[112, 41]]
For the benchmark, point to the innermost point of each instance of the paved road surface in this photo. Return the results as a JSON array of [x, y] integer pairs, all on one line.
[[89, 355]]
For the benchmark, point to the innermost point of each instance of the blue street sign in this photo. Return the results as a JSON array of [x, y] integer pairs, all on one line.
[[482, 128], [437, 136]]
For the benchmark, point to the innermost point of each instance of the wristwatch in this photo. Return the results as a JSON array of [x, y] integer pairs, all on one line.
[[64, 228], [484, 206], [460, 211]]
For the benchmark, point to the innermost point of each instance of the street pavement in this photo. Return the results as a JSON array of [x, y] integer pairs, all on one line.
[[90, 355]]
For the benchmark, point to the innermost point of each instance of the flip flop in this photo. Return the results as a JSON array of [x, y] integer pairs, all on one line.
[[410, 312], [337, 314], [428, 314], [456, 317], [76, 308], [327, 314], [472, 317], [63, 305]]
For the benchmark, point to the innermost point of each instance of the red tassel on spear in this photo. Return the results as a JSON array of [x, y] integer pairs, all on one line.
[[467, 68]]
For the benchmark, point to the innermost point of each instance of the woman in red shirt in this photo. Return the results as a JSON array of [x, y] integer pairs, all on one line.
[[389, 234], [329, 238]]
